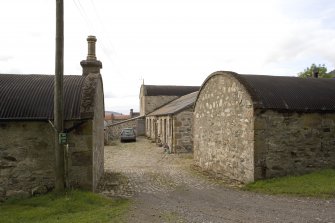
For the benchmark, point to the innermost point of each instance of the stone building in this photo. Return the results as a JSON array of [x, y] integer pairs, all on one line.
[[112, 118], [250, 127], [171, 125], [114, 123], [155, 96], [113, 130], [27, 134]]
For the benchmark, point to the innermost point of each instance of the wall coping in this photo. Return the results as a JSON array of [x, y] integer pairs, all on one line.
[[128, 120]]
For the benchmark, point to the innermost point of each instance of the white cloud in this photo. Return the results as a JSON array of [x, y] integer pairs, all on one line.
[[171, 42], [5, 58]]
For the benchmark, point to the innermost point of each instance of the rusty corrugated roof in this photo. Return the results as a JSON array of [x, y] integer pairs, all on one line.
[[176, 106], [168, 90], [30, 97]]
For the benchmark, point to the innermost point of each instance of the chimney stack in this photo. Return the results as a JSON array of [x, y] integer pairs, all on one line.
[[131, 113], [91, 64], [315, 72]]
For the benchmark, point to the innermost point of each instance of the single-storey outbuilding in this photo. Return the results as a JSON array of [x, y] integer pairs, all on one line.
[[155, 96], [250, 127], [171, 125], [27, 154]]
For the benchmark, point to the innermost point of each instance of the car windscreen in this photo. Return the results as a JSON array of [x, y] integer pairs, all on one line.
[[127, 131]]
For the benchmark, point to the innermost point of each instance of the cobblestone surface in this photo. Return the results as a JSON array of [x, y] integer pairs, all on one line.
[[167, 188], [142, 167]]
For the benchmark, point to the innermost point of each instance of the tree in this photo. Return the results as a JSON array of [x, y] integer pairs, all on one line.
[[322, 71]]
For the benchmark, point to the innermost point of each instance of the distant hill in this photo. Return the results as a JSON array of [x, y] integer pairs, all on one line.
[[332, 73], [112, 112]]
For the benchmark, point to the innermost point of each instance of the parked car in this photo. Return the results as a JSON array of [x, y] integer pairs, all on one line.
[[127, 135]]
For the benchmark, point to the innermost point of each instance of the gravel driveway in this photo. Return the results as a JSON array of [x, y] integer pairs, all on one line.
[[166, 188]]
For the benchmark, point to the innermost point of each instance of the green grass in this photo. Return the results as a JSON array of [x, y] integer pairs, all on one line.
[[319, 184], [73, 206], [172, 217]]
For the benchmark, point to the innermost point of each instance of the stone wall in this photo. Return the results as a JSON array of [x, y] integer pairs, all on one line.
[[183, 131], [27, 157], [223, 129], [293, 143], [164, 131], [80, 141], [142, 102], [174, 132], [98, 136], [140, 128], [113, 131], [150, 126], [151, 103]]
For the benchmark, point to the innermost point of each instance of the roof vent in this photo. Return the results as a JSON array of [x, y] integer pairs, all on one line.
[[315, 72]]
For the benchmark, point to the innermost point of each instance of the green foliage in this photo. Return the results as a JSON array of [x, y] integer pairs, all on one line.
[[308, 72], [172, 217], [317, 184], [73, 206]]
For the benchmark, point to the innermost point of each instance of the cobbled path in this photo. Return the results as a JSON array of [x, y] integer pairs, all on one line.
[[143, 167], [168, 188]]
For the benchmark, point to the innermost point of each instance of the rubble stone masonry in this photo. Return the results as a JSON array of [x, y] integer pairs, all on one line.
[[98, 137], [26, 163], [151, 103], [27, 157], [183, 139], [223, 129], [113, 131], [233, 138], [293, 143]]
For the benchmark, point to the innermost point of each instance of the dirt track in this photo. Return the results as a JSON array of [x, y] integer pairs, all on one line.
[[165, 188]]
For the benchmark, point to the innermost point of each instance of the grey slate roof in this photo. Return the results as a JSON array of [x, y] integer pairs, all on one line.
[[288, 93], [176, 106], [30, 97], [168, 90]]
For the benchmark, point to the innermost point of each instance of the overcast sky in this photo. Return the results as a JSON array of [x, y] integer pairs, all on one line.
[[175, 42]]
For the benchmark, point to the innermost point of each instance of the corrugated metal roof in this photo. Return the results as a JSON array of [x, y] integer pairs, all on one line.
[[168, 90], [291, 93], [287, 93], [177, 105], [30, 97]]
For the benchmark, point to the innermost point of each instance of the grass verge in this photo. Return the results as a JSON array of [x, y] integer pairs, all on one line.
[[73, 206], [319, 184]]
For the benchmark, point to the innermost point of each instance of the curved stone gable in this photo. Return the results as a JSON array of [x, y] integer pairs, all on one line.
[[223, 128], [251, 127], [88, 93]]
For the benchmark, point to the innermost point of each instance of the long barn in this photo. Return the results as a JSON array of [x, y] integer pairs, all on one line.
[[250, 127], [27, 154]]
